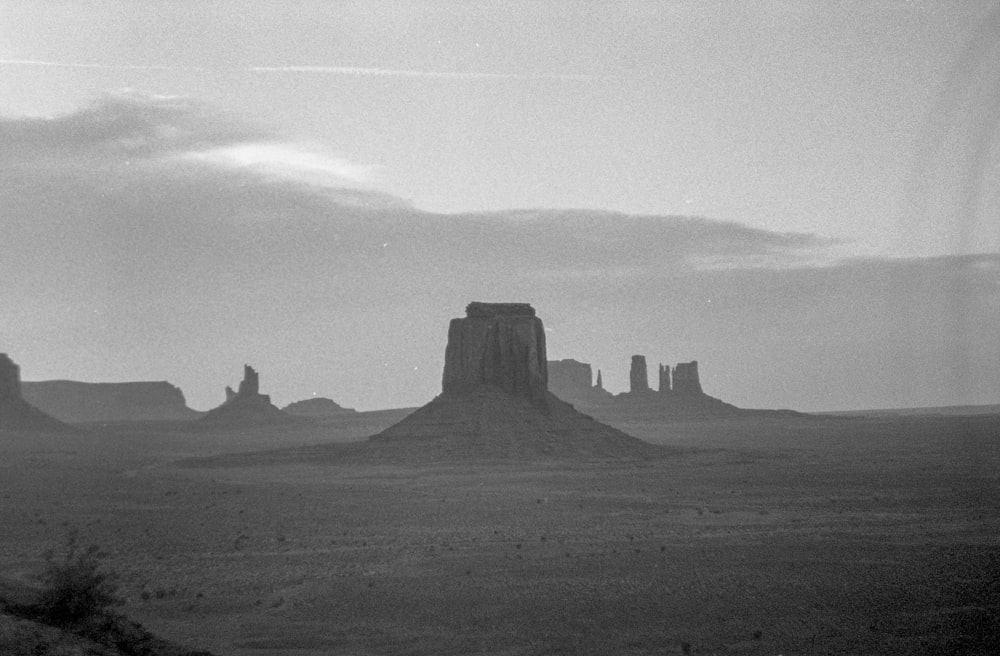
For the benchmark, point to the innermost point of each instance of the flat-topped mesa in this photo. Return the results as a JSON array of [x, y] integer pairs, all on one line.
[[479, 310], [637, 376], [500, 345], [10, 378], [686, 379]]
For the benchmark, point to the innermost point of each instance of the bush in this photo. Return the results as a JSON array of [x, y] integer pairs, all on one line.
[[77, 588]]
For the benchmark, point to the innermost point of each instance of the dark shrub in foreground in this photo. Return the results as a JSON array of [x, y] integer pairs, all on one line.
[[77, 587]]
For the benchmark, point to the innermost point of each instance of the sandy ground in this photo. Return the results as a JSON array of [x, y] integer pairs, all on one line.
[[828, 535]]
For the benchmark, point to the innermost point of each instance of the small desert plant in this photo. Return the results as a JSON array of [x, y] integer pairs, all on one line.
[[77, 587]]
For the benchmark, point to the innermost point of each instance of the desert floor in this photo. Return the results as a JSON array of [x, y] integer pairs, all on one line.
[[826, 535]]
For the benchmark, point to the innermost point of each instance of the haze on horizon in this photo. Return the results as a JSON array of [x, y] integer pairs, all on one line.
[[802, 197]]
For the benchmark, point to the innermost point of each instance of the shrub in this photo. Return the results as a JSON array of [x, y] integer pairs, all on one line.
[[77, 587]]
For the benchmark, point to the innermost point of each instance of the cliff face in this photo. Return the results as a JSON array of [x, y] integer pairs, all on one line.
[[500, 345], [10, 378], [637, 376], [569, 378], [16, 413], [75, 401], [686, 379]]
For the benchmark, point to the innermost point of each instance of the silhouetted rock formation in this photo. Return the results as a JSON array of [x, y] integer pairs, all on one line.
[[250, 385], [570, 381], [637, 376], [495, 403], [230, 394], [497, 344], [74, 401], [15, 412], [679, 395], [248, 406], [686, 378], [664, 378], [317, 407], [568, 375]]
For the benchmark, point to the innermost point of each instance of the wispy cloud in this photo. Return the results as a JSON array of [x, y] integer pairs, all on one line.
[[104, 67], [355, 71], [140, 131], [288, 161]]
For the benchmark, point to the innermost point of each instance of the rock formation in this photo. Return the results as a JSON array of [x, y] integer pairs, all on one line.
[[496, 344], [679, 395], [248, 406], [569, 376], [74, 401], [664, 378], [317, 407], [16, 413], [495, 403], [230, 394], [250, 385], [637, 376], [570, 381], [686, 378]]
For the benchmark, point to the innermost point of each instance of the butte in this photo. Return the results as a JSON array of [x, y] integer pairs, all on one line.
[[247, 406], [495, 403]]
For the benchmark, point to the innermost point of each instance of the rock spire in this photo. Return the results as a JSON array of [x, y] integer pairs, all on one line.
[[247, 406], [637, 376]]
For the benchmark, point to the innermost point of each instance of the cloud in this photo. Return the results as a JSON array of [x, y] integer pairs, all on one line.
[[288, 161], [133, 130], [353, 71], [151, 238]]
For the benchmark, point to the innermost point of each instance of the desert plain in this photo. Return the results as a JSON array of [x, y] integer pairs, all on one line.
[[834, 534]]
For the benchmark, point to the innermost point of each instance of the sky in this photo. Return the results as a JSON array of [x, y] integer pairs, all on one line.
[[804, 197]]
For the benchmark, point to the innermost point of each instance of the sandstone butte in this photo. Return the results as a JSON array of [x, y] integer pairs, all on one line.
[[495, 403]]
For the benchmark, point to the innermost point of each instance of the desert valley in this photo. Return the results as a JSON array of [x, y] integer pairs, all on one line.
[[473, 526]]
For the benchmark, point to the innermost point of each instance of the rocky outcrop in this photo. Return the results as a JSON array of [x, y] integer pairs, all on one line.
[[679, 395], [250, 385], [317, 407], [10, 379], [501, 345], [16, 414], [570, 381], [568, 377], [495, 403], [637, 376], [79, 402], [686, 379], [247, 407], [664, 378]]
